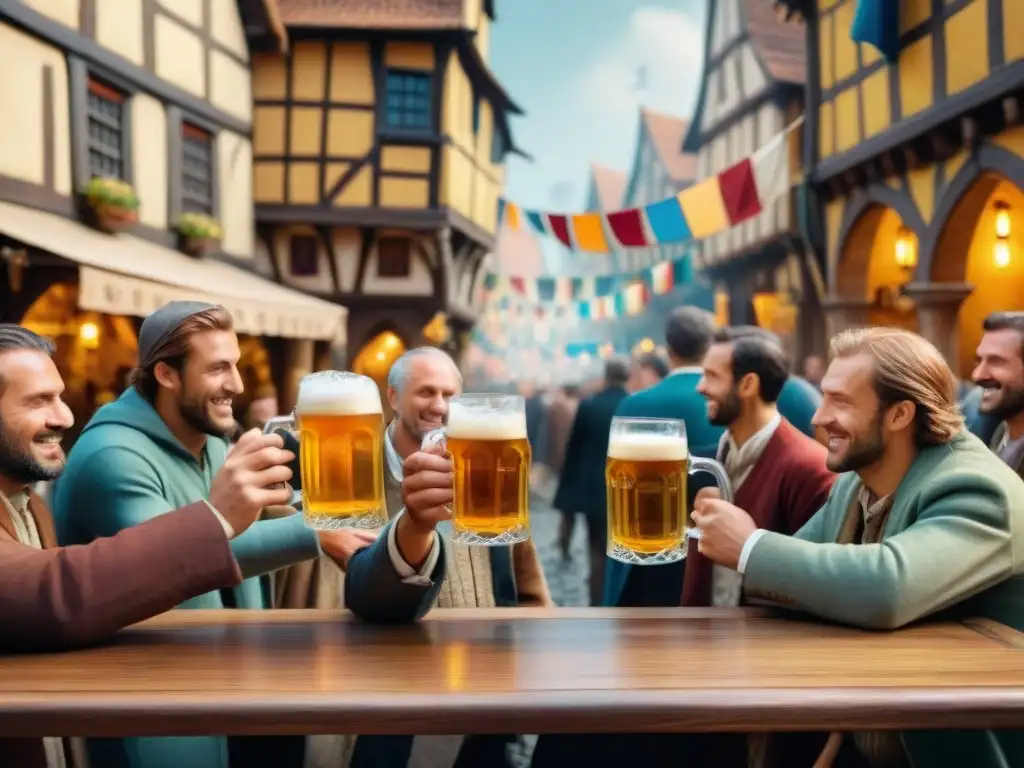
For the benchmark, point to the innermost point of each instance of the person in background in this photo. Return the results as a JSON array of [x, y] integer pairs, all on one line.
[[536, 424], [581, 488], [646, 370], [999, 374], [923, 521], [777, 473], [813, 370], [561, 414], [53, 598], [158, 447]]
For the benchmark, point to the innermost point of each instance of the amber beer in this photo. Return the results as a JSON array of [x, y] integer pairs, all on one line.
[[486, 439], [341, 424]]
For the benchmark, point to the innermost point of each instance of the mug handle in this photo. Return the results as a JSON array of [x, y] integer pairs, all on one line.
[[286, 423], [435, 437], [700, 464]]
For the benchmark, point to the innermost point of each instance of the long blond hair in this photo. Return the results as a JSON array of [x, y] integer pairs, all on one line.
[[908, 367]]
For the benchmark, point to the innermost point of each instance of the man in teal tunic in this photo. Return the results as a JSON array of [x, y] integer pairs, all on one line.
[[156, 448]]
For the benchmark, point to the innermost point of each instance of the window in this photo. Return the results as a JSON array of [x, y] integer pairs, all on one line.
[[498, 147], [393, 256], [106, 131], [408, 101], [196, 170], [304, 256]]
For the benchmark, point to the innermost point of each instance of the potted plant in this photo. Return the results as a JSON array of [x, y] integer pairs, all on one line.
[[198, 234], [113, 203]]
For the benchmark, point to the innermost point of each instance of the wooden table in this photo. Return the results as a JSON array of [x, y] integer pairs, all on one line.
[[515, 671]]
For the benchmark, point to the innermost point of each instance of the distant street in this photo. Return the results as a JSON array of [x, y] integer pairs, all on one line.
[[567, 580]]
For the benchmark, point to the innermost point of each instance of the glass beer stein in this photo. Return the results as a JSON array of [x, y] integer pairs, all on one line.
[[646, 475], [340, 423], [486, 439]]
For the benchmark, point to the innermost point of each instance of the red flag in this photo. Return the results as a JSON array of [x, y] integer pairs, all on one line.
[[739, 192]]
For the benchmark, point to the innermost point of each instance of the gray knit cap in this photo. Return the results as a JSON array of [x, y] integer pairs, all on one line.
[[163, 322]]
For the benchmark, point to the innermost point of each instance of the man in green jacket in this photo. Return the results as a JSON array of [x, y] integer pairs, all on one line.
[[936, 520], [158, 447]]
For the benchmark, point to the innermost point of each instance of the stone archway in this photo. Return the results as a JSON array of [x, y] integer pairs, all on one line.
[[868, 279], [963, 248]]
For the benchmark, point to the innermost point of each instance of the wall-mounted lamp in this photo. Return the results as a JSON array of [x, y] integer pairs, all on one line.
[[1001, 250], [1002, 219], [906, 249], [89, 335]]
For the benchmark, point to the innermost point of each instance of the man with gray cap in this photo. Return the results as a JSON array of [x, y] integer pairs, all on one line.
[[158, 447]]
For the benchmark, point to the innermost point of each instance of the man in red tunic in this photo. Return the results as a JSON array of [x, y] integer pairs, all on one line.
[[778, 474]]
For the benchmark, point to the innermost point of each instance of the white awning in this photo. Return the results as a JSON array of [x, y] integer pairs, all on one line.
[[124, 275]]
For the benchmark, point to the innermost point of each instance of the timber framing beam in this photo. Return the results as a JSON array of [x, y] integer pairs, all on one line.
[[30, 21]]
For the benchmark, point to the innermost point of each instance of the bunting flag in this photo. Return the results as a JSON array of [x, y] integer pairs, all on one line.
[[594, 297], [713, 205]]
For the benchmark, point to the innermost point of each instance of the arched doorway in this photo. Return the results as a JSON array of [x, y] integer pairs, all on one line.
[[376, 358], [95, 352], [980, 244], [877, 258]]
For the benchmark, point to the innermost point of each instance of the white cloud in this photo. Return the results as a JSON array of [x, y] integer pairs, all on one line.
[[668, 45]]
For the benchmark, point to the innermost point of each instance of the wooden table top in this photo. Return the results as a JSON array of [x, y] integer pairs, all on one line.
[[515, 671]]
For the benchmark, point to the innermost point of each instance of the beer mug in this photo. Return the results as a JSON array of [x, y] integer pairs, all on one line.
[[646, 475], [486, 440], [340, 423]]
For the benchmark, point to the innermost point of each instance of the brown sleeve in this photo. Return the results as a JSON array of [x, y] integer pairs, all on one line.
[[61, 598], [531, 586]]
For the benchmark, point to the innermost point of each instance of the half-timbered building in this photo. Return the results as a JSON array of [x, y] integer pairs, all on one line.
[[915, 145], [380, 143], [751, 90], [125, 182]]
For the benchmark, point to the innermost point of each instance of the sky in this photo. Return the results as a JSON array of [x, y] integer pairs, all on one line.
[[573, 66]]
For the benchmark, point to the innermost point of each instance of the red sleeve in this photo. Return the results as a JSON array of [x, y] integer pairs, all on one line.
[[61, 598], [809, 485]]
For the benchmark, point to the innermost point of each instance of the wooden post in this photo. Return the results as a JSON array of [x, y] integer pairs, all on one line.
[[298, 363]]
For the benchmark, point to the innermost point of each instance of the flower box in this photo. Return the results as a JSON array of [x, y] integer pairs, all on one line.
[[198, 234], [113, 204]]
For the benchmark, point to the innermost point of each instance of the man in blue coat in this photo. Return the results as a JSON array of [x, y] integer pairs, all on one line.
[[581, 487], [688, 335]]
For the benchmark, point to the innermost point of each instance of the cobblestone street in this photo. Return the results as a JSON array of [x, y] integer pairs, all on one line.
[[567, 579]]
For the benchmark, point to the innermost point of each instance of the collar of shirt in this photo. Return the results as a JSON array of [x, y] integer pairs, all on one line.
[[756, 441], [391, 455], [687, 369], [870, 504]]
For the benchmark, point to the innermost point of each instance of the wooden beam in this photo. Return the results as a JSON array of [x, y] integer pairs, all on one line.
[[1011, 110], [969, 130]]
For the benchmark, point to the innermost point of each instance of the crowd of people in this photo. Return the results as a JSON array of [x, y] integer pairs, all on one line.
[[864, 500]]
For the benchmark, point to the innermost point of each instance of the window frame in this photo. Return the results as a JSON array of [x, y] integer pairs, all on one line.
[[315, 241], [428, 77], [80, 74], [177, 119], [394, 274]]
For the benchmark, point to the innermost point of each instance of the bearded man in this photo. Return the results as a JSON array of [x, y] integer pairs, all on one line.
[[999, 374], [923, 521], [158, 447]]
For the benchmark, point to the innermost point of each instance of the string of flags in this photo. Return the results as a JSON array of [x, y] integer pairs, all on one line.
[[707, 208], [587, 298]]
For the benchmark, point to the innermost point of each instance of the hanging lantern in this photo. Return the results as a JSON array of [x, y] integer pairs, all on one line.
[[906, 249]]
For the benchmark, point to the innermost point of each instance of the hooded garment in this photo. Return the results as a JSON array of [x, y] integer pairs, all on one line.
[[126, 468]]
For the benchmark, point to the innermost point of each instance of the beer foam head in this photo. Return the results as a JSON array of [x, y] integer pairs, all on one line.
[[338, 393], [478, 423], [638, 446]]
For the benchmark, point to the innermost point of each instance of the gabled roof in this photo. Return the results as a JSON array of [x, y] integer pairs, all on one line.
[[781, 45], [778, 45], [518, 252], [373, 14], [609, 186], [666, 133]]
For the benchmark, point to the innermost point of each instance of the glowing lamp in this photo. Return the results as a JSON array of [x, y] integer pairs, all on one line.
[[1002, 219], [89, 335], [906, 252], [1001, 253], [645, 346]]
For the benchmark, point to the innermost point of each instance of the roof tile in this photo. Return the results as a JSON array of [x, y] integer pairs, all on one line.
[[373, 14], [667, 134], [780, 44]]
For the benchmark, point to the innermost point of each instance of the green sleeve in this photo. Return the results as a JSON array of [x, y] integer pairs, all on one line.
[[124, 489], [959, 545]]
